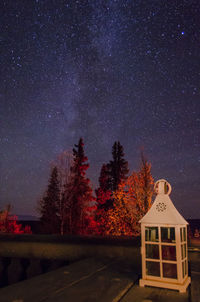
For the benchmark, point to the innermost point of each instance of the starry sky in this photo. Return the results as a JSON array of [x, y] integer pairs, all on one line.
[[105, 71]]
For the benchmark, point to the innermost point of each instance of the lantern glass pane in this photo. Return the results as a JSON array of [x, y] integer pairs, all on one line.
[[168, 235], [183, 251], [153, 268], [183, 270], [169, 270], [181, 233], [151, 234], [152, 251], [186, 267], [184, 234], [168, 252]]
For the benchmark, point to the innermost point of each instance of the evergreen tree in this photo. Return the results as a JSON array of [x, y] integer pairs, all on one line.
[[110, 178], [103, 200], [78, 191], [104, 178], [49, 205], [118, 167], [103, 193]]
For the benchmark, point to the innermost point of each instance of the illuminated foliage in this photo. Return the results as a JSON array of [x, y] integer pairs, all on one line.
[[8, 223], [121, 218], [91, 226], [131, 201], [101, 216]]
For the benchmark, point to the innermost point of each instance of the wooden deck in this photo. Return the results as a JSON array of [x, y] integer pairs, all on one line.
[[92, 280]]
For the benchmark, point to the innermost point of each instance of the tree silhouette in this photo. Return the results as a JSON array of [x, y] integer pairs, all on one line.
[[49, 205], [118, 166]]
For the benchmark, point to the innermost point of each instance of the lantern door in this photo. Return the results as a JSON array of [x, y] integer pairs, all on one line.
[[159, 253]]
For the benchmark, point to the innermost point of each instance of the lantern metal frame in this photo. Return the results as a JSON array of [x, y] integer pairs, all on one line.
[[164, 259]]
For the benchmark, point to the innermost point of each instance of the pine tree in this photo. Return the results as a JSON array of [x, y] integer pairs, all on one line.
[[103, 199], [110, 178], [78, 191], [104, 179], [118, 167], [49, 205], [103, 193]]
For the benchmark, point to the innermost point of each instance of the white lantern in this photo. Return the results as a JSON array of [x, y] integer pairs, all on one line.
[[164, 243]]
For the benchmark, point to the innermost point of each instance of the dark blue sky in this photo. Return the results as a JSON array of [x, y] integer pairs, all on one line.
[[106, 71]]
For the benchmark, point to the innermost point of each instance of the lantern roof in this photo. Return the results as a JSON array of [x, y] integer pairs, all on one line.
[[163, 210]]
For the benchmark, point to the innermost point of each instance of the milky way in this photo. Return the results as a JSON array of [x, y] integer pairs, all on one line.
[[106, 71]]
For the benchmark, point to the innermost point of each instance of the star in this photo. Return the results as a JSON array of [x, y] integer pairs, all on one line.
[[123, 71]]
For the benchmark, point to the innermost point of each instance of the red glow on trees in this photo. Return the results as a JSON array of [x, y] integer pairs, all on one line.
[[8, 223]]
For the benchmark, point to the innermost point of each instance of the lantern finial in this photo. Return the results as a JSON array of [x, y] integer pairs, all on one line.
[[162, 187]]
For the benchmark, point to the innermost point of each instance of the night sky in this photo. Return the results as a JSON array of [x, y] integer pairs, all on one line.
[[105, 71]]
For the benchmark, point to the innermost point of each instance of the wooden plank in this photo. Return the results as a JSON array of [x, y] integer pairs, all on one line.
[[38, 288], [106, 285]]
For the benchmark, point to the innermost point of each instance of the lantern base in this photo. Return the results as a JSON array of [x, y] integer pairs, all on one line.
[[176, 286]]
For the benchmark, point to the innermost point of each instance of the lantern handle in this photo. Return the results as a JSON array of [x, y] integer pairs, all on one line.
[[160, 189]]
